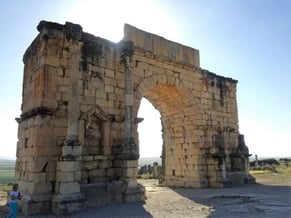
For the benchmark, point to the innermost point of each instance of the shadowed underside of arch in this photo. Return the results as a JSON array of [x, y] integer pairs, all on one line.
[[179, 116], [199, 124]]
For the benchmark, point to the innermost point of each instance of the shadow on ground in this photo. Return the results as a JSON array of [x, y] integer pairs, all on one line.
[[116, 210], [252, 200]]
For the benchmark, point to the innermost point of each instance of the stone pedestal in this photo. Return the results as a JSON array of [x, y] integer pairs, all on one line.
[[68, 197], [68, 203], [123, 190], [126, 169], [35, 204], [134, 192]]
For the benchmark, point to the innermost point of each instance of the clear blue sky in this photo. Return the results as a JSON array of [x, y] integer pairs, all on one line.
[[248, 40]]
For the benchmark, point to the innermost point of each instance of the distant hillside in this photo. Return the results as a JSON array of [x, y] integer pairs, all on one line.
[[5, 162], [268, 157], [7, 158], [7, 171]]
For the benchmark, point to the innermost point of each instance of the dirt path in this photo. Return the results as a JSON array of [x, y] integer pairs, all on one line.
[[256, 200], [269, 199]]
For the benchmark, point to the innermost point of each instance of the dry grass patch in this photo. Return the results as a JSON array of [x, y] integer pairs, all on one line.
[[282, 175]]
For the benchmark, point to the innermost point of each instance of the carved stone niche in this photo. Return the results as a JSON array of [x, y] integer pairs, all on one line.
[[96, 133]]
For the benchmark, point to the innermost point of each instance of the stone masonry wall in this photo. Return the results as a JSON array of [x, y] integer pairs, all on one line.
[[78, 127]]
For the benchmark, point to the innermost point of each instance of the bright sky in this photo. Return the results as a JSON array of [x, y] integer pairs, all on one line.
[[248, 40]]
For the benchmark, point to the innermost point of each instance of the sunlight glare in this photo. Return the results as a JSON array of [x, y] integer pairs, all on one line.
[[107, 18], [150, 130]]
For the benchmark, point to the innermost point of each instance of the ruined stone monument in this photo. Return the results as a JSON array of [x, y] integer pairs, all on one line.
[[78, 142]]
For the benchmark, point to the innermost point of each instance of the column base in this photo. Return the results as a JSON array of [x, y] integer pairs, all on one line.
[[35, 204], [250, 179], [67, 204], [116, 191], [240, 177], [134, 194]]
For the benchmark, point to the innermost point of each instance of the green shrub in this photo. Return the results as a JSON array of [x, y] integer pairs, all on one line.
[[147, 176]]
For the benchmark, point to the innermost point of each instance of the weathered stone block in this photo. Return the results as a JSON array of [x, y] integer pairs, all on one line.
[[35, 207], [90, 164], [97, 173], [105, 164], [133, 194], [67, 204], [125, 163], [77, 176], [62, 176], [110, 172], [39, 187], [37, 165], [126, 172], [69, 187], [68, 166], [37, 177]]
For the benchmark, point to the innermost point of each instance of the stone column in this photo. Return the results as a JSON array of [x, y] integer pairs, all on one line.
[[128, 154], [68, 198], [129, 149], [71, 149], [128, 98]]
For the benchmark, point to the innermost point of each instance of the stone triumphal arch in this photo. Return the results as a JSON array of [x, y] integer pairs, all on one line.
[[78, 139]]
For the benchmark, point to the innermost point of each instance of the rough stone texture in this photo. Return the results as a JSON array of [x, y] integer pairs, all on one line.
[[78, 127]]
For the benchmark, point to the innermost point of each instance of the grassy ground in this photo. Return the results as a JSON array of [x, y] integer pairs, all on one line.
[[7, 178], [281, 176], [7, 168]]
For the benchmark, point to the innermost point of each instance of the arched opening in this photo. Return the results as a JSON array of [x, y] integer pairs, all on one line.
[[179, 117], [150, 136], [150, 131]]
